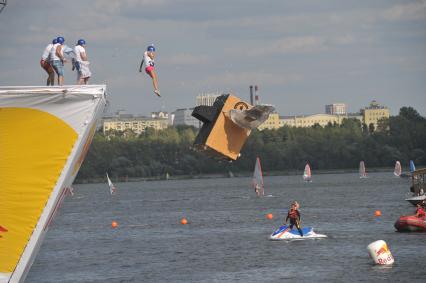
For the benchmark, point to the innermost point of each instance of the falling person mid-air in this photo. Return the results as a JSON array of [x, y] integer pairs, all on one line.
[[148, 59]]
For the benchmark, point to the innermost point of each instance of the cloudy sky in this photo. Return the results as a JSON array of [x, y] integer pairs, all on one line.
[[302, 54]]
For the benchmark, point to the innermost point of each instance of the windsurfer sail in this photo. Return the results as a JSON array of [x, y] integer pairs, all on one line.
[[307, 175], [412, 167], [112, 188], [362, 173], [398, 170], [258, 179]]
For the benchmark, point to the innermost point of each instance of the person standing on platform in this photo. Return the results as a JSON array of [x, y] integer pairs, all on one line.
[[45, 63], [81, 63], [57, 59]]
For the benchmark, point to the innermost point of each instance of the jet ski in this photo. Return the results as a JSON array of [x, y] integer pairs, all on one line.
[[293, 234], [410, 223]]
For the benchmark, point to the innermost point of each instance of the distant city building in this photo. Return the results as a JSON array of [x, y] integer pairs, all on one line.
[[172, 119], [207, 98], [335, 109], [310, 120], [357, 116], [373, 113], [273, 122], [138, 124], [162, 115], [184, 117]]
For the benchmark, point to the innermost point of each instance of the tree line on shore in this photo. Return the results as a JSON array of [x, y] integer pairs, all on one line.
[[153, 154]]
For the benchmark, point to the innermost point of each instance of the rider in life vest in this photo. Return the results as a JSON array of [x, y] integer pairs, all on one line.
[[294, 216], [420, 212]]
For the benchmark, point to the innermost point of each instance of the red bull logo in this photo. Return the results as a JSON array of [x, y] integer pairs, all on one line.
[[384, 256], [2, 229], [383, 250]]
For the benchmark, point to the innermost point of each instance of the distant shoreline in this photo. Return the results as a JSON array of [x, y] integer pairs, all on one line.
[[227, 175]]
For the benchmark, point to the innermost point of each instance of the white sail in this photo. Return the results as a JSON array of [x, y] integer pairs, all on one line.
[[307, 175], [362, 173], [398, 170], [112, 189], [45, 133], [258, 178]]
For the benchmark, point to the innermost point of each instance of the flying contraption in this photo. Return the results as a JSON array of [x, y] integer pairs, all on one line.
[[3, 4], [227, 125]]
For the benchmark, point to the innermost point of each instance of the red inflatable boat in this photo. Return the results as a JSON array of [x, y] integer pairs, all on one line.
[[411, 223]]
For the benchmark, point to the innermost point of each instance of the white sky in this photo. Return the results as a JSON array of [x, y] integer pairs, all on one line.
[[302, 54]]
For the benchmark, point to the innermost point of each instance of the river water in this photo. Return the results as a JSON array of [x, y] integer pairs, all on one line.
[[226, 239]]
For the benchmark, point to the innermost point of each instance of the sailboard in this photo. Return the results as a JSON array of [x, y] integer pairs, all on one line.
[[112, 189], [362, 172], [307, 175], [45, 133], [258, 178], [398, 170]]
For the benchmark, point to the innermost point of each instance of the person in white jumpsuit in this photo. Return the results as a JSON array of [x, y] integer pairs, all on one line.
[[81, 63]]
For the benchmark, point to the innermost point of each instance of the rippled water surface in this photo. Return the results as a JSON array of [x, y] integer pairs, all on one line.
[[227, 235]]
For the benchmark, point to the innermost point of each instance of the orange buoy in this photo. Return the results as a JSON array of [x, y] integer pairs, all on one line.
[[183, 221], [378, 213], [269, 216], [114, 224]]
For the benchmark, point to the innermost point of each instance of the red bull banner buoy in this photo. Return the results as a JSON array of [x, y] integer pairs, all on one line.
[[380, 253]]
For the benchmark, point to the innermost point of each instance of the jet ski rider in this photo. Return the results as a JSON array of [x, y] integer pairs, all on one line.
[[294, 216]]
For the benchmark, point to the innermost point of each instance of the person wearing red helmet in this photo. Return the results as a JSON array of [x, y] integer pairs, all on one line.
[[148, 59]]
